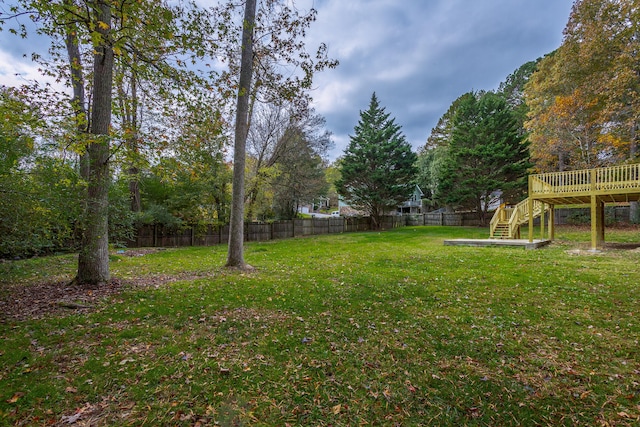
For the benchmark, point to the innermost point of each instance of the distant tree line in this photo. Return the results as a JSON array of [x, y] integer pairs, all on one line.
[[578, 107]]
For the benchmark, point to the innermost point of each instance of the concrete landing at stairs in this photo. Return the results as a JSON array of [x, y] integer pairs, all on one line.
[[524, 243]]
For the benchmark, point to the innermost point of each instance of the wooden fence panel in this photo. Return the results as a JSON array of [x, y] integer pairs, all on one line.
[[355, 224], [414, 220], [336, 225], [258, 232], [320, 226], [282, 229], [306, 228]]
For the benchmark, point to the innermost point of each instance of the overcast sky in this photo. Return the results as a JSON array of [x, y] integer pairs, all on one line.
[[417, 55], [420, 55]]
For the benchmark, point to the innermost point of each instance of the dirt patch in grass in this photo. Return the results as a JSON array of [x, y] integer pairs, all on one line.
[[585, 249], [60, 298], [36, 301], [623, 246]]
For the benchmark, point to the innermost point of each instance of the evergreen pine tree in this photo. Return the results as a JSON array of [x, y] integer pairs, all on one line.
[[487, 152], [378, 168]]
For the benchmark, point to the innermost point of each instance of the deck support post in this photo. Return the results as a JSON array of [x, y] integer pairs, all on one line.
[[552, 222], [530, 208], [530, 203], [602, 221], [597, 223], [542, 221]]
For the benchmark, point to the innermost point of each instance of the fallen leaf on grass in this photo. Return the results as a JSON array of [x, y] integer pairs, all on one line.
[[71, 419], [127, 405], [15, 397], [474, 412], [336, 409]]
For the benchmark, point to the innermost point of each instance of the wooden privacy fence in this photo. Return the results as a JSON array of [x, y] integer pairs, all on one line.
[[159, 236]]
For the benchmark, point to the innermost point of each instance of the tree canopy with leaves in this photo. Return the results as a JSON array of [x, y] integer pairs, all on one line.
[[487, 153], [286, 150], [585, 97], [153, 82], [378, 167]]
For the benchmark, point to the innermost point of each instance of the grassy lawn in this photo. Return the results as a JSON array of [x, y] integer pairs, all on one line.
[[387, 328]]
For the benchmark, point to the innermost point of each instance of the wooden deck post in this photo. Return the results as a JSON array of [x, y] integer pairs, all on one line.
[[542, 221], [597, 223], [597, 215], [530, 203], [600, 237], [552, 222]]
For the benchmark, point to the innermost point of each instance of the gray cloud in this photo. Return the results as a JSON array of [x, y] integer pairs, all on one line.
[[420, 55]]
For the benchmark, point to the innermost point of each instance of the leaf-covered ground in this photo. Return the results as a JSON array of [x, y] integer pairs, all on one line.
[[361, 329]]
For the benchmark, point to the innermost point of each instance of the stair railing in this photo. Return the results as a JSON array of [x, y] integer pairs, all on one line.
[[498, 216], [515, 216]]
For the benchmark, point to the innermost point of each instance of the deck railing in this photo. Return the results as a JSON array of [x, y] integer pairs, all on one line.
[[613, 178], [621, 177]]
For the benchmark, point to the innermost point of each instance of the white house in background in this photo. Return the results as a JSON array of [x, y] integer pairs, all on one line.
[[411, 206], [495, 200], [319, 203], [414, 204]]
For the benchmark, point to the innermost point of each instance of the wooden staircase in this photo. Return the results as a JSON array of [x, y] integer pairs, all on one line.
[[501, 231], [507, 220]]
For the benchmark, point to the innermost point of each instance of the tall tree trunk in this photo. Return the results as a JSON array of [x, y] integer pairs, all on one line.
[[235, 256], [93, 260], [561, 161], [128, 103], [132, 126], [134, 189], [78, 99]]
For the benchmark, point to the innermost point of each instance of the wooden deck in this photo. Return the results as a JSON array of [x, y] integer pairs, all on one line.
[[615, 184], [593, 187]]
